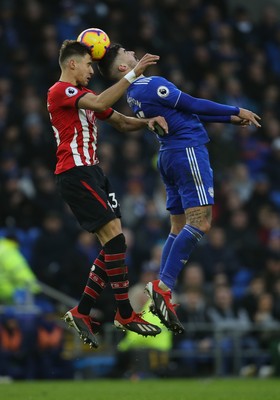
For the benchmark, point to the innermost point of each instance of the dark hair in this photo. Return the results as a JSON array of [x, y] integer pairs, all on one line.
[[105, 64], [72, 48]]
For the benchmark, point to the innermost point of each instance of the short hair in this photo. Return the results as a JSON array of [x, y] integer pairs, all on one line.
[[106, 63], [70, 48]]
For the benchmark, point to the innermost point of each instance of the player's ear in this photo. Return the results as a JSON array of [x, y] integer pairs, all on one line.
[[122, 68], [72, 63]]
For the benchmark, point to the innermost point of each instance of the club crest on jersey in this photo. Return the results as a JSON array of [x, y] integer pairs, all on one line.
[[211, 191], [163, 91], [71, 91], [90, 116]]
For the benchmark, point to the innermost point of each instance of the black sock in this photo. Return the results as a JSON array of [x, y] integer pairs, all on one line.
[[97, 281], [117, 273]]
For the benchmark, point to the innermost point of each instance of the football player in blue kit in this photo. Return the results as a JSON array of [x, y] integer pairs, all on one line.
[[183, 163]]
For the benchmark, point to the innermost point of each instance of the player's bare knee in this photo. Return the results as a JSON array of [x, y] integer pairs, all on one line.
[[206, 226], [176, 228], [177, 223], [200, 218]]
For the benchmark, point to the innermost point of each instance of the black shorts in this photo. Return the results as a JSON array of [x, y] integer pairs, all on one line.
[[90, 196]]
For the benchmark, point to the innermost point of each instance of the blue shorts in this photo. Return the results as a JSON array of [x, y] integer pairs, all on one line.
[[188, 178]]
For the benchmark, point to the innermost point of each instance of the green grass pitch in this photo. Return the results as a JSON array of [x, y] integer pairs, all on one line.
[[163, 389]]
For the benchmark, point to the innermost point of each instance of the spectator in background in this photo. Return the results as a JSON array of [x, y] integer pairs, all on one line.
[[231, 322], [241, 181], [215, 256], [49, 349], [253, 152], [271, 271], [240, 236], [153, 262], [16, 350], [50, 250], [260, 197], [264, 319], [272, 50], [78, 259], [273, 170], [152, 227], [192, 277], [18, 284], [268, 220], [47, 198], [276, 299], [134, 202], [251, 297], [267, 332], [196, 344]]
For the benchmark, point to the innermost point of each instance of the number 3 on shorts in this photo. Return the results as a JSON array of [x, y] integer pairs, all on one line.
[[113, 200]]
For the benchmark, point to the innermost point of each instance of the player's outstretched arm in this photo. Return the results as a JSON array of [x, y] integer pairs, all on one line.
[[233, 119], [111, 95], [124, 123], [204, 107]]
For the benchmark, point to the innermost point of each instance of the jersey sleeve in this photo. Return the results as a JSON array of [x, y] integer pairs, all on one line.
[[214, 118], [169, 95], [204, 107], [67, 96]]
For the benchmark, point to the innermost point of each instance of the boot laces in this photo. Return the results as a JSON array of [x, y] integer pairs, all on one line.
[[138, 318], [167, 296]]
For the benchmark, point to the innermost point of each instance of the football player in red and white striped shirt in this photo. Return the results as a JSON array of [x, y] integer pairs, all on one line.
[[73, 111]]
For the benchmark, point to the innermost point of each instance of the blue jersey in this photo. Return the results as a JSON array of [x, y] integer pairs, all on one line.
[[183, 160], [152, 96]]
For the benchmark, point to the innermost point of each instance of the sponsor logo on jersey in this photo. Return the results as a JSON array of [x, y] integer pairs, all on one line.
[[163, 91], [71, 91], [133, 102], [211, 191]]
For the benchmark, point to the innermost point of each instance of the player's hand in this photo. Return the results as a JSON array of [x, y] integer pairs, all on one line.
[[250, 116], [146, 61], [235, 120], [158, 125]]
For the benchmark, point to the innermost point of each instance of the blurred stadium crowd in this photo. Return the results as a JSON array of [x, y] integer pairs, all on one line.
[[208, 50]]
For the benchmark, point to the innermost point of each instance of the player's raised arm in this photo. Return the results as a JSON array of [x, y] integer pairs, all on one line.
[[111, 95]]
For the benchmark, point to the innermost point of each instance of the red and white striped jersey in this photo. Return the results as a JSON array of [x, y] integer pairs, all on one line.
[[75, 129]]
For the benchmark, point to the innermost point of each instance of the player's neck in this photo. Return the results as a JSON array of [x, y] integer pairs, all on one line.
[[64, 77]]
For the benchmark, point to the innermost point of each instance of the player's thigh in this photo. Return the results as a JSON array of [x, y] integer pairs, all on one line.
[[194, 178], [166, 170], [90, 197]]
